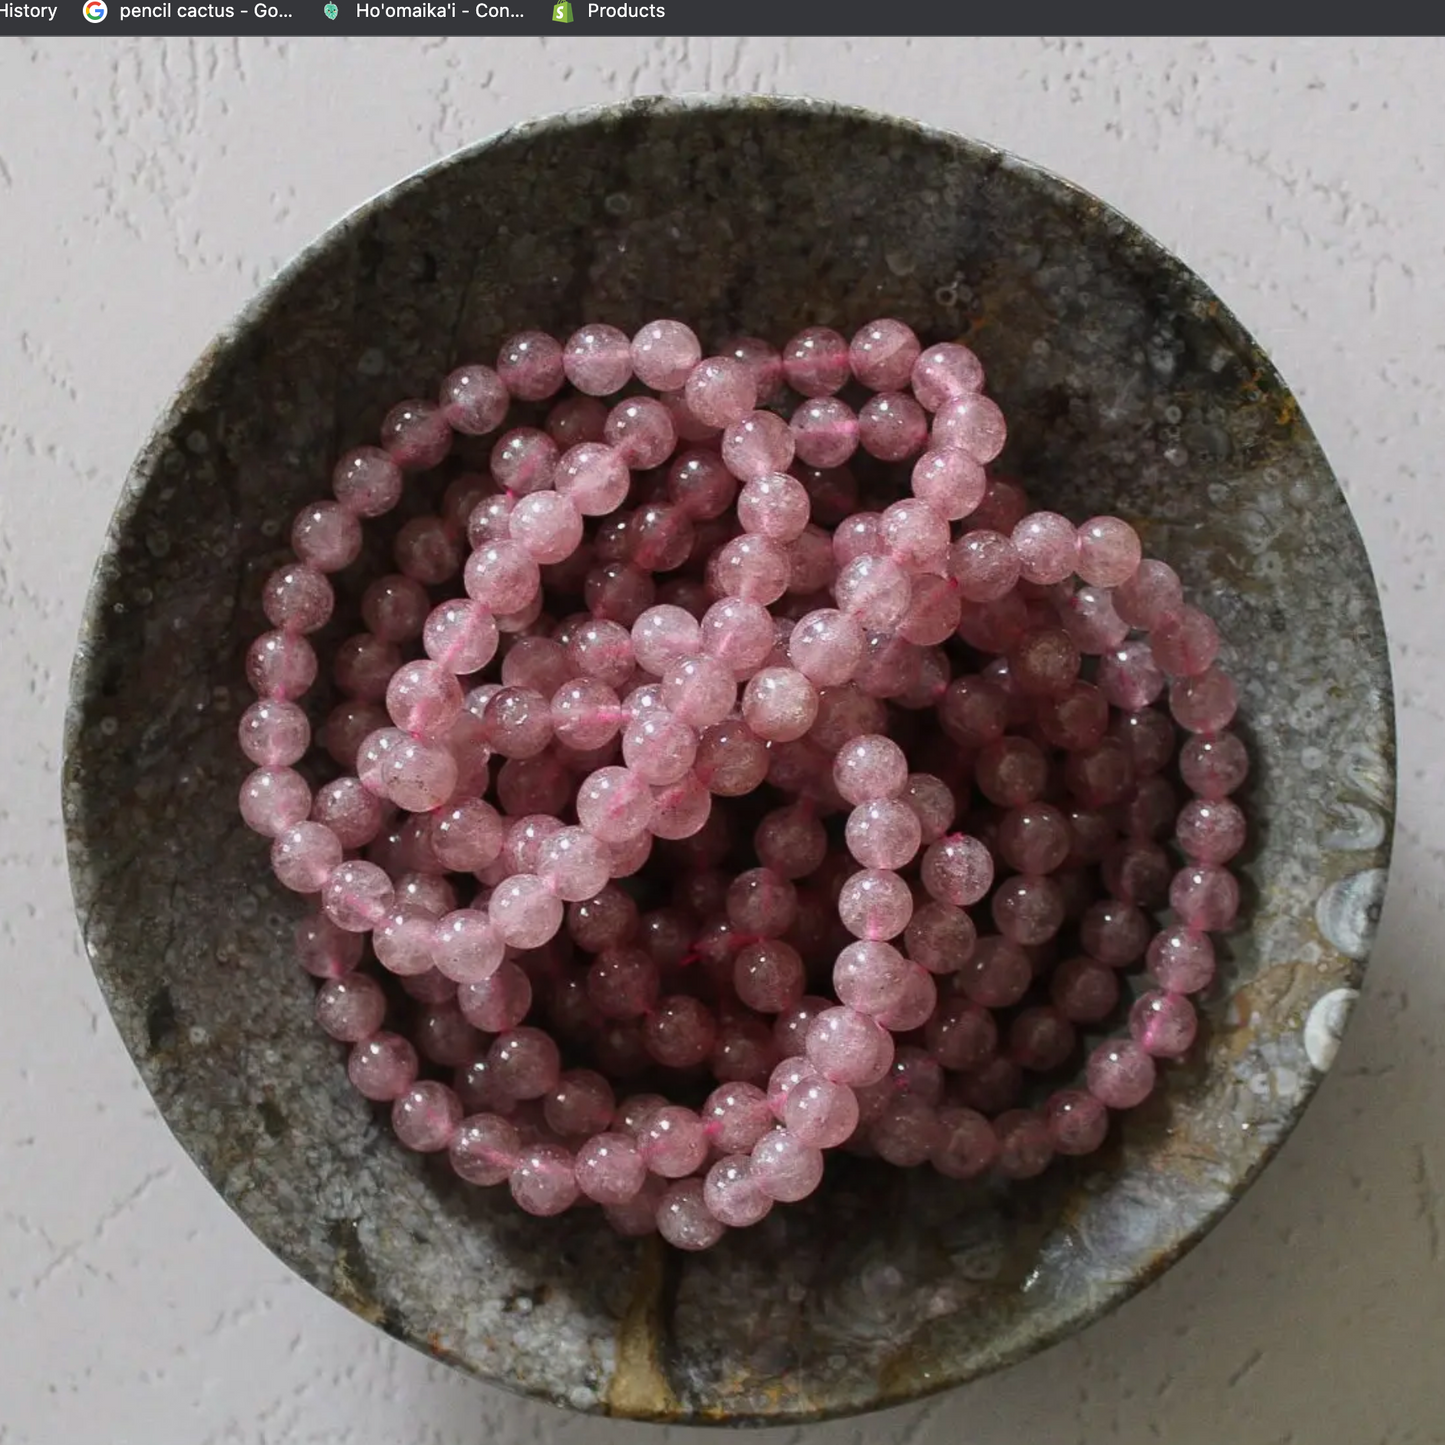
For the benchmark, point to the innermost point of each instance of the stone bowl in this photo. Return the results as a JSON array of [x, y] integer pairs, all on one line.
[[1130, 389]]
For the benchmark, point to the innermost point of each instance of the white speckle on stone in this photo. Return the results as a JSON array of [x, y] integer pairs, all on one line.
[[1349, 909], [1325, 1026]]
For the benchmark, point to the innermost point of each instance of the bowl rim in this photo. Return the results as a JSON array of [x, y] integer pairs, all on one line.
[[143, 473]]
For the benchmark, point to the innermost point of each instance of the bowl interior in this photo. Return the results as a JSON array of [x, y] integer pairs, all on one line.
[[1129, 389]]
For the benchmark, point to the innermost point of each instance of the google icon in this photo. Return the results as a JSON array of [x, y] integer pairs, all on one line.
[[95, 11]]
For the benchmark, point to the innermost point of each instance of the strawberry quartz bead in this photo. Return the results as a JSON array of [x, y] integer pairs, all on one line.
[[875, 904], [594, 477], [303, 856], [1181, 959], [757, 445], [474, 400], [273, 800], [427, 551], [848, 1047], [932, 802], [720, 391], [1151, 595], [542, 1180], [869, 768], [673, 1142], [1163, 1024], [892, 426], [461, 635], [350, 1009], [395, 608], [1077, 1122], [874, 591], [297, 598], [1210, 832], [530, 366], [957, 870], [1186, 643], [820, 1113], [914, 535], [326, 536], [731, 1195], [997, 974], [944, 372], [1204, 704], [1044, 664], [825, 432], [382, 1067], [1084, 990], [680, 1032], [763, 361], [1213, 766], [1108, 552], [274, 733], [1205, 897], [1028, 910], [597, 360], [1088, 616], [964, 1144], [985, 565], [1047, 547], [950, 481], [641, 431], [484, 1149], [324, 950], [664, 635], [882, 354], [609, 1168], [816, 361], [367, 482], [775, 505], [1120, 1074], [1130, 678], [525, 1062], [1024, 1144], [280, 665], [970, 423], [426, 1117], [684, 1220], [548, 525], [883, 833], [416, 435], [699, 483], [664, 354], [424, 699], [576, 419], [466, 948], [779, 704], [785, 1168], [524, 461], [1013, 771], [736, 1115]]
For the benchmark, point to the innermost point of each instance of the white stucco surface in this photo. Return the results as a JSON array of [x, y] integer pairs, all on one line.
[[147, 189]]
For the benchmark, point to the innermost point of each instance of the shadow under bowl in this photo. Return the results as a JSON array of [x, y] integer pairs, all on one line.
[[1130, 390]]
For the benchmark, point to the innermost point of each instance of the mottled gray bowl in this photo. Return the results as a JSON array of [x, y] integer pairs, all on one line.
[[1130, 389]]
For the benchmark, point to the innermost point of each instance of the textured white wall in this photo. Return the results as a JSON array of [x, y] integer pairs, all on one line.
[[147, 189]]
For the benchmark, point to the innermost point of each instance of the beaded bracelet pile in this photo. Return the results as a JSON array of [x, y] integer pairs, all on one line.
[[677, 624]]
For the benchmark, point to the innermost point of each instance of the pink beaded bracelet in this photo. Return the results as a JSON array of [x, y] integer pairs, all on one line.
[[687, 650]]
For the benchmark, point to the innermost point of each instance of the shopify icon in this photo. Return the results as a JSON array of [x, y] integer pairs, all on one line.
[[562, 12]]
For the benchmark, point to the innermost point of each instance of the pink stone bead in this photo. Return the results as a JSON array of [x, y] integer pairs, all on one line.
[[1109, 552], [752, 567], [985, 565], [350, 1008], [1163, 1024], [731, 1195], [673, 1142], [382, 1067], [1138, 872], [761, 903], [790, 1028], [640, 429], [461, 635], [991, 1089], [1114, 932], [1034, 838], [280, 665], [623, 982], [736, 1115], [950, 481], [663, 354], [780, 704], [825, 432], [935, 607], [500, 1003], [638, 1217], [785, 1168], [593, 477], [542, 1180], [815, 361], [466, 948], [609, 1168], [906, 1133], [769, 976], [875, 904], [525, 1062], [606, 921], [303, 856], [474, 400], [597, 360], [699, 691], [932, 802], [699, 484], [490, 520], [530, 366], [357, 896], [763, 361], [548, 525], [502, 576], [352, 813], [467, 835], [1129, 677], [783, 1079], [1088, 616], [518, 722], [970, 423], [362, 666], [961, 1035], [738, 633], [580, 1106], [775, 505], [1074, 719], [964, 1144], [395, 608], [883, 354], [915, 535], [944, 372], [821, 1114], [1213, 767], [614, 804], [845, 713], [426, 1117], [680, 1032], [957, 870], [619, 592], [274, 733], [1205, 703], [870, 977], [659, 748], [757, 445], [731, 759], [297, 598], [484, 1149], [1181, 959], [419, 775], [1025, 1145], [574, 865], [1041, 1039], [848, 1047], [1185, 643], [997, 974], [427, 551], [1210, 831], [1152, 594], [664, 635], [326, 536], [720, 391], [424, 699], [366, 483], [973, 711], [940, 937], [684, 1220], [883, 833], [1206, 897], [576, 419], [324, 950], [892, 426], [870, 767], [791, 841], [1047, 547], [524, 911], [1028, 910], [416, 435], [1044, 663], [1077, 1122], [1120, 1074], [1101, 776]]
